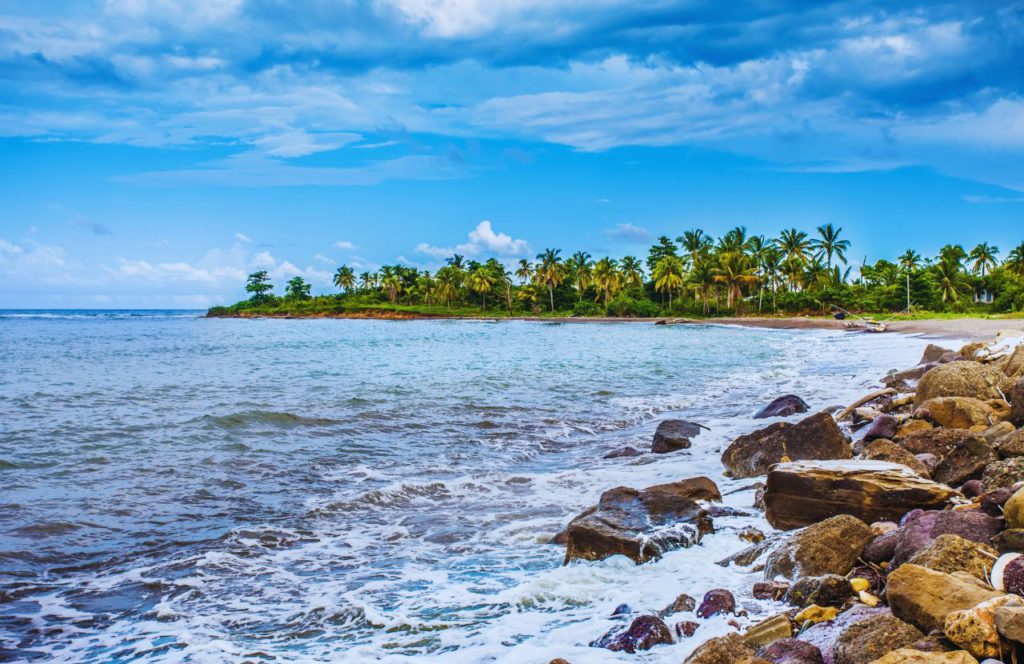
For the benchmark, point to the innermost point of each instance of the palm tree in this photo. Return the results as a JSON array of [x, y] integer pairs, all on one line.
[[480, 281], [695, 243], [953, 254], [702, 279], [1015, 260], [815, 273], [771, 263], [909, 261], [668, 276], [580, 265], [366, 281], [950, 278], [607, 278], [446, 285], [794, 245], [734, 271], [345, 278], [524, 271], [983, 256], [425, 286], [632, 271], [391, 280], [734, 241], [550, 272], [830, 245], [758, 246]]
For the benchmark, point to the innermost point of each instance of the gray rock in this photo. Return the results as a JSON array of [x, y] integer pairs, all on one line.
[[784, 406]]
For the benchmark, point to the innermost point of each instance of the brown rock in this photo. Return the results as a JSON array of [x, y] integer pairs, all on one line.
[[886, 450], [771, 629], [643, 633], [952, 553], [784, 406], [831, 546], [825, 635], [959, 412], [912, 656], [921, 527], [974, 629], [1014, 364], [869, 639], [960, 379], [933, 353], [673, 435], [1011, 444], [815, 437], [728, 649], [1009, 541], [792, 651], [1003, 473], [1010, 622], [966, 461], [937, 441], [806, 492], [1017, 401], [910, 427], [681, 604], [996, 432], [924, 597]]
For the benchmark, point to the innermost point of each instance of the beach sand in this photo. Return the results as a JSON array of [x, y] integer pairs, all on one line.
[[935, 328]]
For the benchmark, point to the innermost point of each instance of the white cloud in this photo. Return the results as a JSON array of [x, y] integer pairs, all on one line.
[[344, 244], [242, 237], [324, 259], [9, 249], [630, 233], [482, 240]]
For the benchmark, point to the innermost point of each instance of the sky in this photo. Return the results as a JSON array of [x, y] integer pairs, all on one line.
[[154, 152]]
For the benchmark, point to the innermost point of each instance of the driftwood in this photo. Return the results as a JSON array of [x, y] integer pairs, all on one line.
[[846, 412]]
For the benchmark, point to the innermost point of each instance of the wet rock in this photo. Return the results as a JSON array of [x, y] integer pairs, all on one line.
[[728, 649], [959, 412], [924, 597], [1011, 444], [768, 630], [773, 590], [1003, 473], [930, 461], [825, 635], [831, 546], [622, 610], [642, 634], [883, 426], [815, 614], [642, 525], [792, 651], [932, 353], [886, 450], [974, 629], [869, 639], [921, 527], [623, 452], [751, 534], [961, 379], [965, 461], [806, 492], [686, 628], [952, 553], [912, 656], [747, 556], [673, 435], [715, 602], [683, 603], [784, 406], [815, 437], [825, 590]]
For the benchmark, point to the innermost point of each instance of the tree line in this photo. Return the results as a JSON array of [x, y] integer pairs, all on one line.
[[737, 273]]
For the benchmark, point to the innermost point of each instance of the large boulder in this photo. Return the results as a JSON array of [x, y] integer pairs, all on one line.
[[805, 492], [883, 426], [825, 635], [924, 597], [829, 547], [673, 435], [815, 437], [965, 461], [959, 412], [641, 525], [886, 450], [922, 527], [933, 353], [643, 633], [961, 379], [937, 441], [784, 406], [952, 553], [869, 639], [728, 649], [974, 629]]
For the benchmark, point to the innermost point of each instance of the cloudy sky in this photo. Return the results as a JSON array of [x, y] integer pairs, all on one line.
[[153, 152]]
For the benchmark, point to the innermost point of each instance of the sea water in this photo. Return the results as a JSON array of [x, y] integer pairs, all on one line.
[[180, 489]]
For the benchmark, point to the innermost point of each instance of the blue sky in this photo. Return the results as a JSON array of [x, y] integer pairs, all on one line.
[[153, 152]]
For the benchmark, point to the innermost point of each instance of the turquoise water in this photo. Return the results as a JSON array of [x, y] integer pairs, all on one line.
[[176, 489]]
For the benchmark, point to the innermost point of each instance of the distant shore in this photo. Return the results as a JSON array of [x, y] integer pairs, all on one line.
[[936, 328]]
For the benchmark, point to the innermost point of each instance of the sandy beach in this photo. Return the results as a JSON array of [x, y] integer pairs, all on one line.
[[934, 328]]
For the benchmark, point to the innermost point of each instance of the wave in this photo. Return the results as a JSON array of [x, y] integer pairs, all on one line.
[[264, 418], [79, 314]]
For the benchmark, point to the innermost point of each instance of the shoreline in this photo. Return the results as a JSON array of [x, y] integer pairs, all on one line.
[[968, 328]]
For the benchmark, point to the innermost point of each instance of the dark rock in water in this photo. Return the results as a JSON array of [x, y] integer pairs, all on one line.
[[920, 528], [952, 553], [682, 604], [883, 426], [715, 602], [642, 634], [747, 556], [815, 437], [1003, 473], [673, 435], [965, 461], [826, 590], [728, 649], [1009, 541], [784, 406], [623, 452], [806, 492], [642, 524], [869, 639], [829, 547], [792, 651], [773, 590], [971, 488], [686, 628], [622, 610], [824, 635], [715, 511]]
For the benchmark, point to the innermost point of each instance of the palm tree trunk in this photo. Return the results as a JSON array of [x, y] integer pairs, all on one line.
[[551, 292]]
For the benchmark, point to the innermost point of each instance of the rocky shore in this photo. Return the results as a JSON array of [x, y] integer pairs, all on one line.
[[898, 524]]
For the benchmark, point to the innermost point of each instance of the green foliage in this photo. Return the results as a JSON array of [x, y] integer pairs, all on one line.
[[259, 285], [297, 289], [587, 308]]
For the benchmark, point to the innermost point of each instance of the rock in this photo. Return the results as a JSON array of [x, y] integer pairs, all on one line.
[[728, 649], [642, 634], [806, 492], [751, 534], [622, 610], [814, 614], [747, 556], [1011, 444], [829, 547], [869, 639], [825, 590], [1010, 622], [715, 602], [959, 412], [792, 651], [992, 502], [924, 597], [882, 548], [971, 489], [952, 553], [771, 629], [683, 603], [642, 525], [559, 660], [815, 437], [910, 427], [974, 629], [673, 435], [1017, 401], [912, 656], [1014, 365], [1003, 473], [686, 628], [623, 452], [921, 527], [1008, 573], [932, 353], [825, 635], [883, 426], [961, 379], [1013, 510], [1009, 541], [784, 406], [936, 441], [773, 590], [930, 461], [886, 450], [965, 461], [997, 432]]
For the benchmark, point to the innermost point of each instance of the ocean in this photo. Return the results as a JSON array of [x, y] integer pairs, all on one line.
[[181, 489]]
